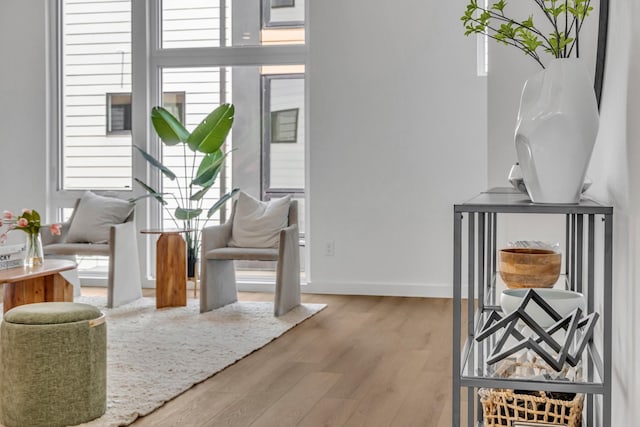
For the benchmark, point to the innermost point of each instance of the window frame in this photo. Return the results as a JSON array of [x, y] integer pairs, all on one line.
[[268, 24], [267, 191]]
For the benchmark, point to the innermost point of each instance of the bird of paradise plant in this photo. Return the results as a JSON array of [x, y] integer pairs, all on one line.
[[204, 142]]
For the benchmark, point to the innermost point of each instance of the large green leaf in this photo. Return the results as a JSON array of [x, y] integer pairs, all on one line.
[[210, 134], [169, 129], [217, 205], [148, 157], [207, 161], [187, 214], [200, 194], [216, 172], [209, 172], [152, 193]]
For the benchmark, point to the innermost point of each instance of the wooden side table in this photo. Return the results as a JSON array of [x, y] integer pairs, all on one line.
[[171, 268], [43, 283]]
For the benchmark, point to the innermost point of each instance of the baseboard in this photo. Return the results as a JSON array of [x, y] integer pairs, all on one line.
[[97, 282], [382, 289], [338, 288]]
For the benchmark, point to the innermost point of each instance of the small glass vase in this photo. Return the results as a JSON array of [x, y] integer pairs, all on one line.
[[34, 256]]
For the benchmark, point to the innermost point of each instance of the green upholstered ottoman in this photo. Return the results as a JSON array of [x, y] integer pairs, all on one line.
[[53, 364]]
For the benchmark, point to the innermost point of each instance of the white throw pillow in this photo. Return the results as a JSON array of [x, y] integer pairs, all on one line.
[[257, 224], [94, 217]]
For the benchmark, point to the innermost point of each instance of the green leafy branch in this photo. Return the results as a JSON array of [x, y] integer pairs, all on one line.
[[525, 35]]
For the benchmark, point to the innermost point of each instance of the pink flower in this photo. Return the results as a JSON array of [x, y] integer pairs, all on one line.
[[26, 211], [22, 222], [3, 238], [54, 229], [8, 215]]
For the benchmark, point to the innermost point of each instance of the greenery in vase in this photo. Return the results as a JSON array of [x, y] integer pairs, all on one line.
[[563, 18], [203, 160]]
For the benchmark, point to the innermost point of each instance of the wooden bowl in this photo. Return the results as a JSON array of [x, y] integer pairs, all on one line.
[[529, 268]]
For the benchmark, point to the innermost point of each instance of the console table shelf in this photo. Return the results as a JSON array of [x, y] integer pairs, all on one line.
[[476, 223]]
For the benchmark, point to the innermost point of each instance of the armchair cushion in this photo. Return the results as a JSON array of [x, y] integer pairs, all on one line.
[[244, 254], [94, 216], [82, 249], [257, 224]]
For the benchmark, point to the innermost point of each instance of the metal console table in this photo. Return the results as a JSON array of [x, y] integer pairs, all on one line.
[[469, 369]]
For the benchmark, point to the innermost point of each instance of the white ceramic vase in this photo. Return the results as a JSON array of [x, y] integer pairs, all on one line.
[[556, 131]]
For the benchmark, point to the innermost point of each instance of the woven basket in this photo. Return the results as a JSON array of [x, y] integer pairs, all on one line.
[[503, 407]]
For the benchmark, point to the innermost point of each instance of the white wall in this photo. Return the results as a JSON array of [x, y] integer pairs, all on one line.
[[23, 101], [397, 136], [398, 129]]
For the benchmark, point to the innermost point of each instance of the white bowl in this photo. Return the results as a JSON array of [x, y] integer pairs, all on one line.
[[562, 301]]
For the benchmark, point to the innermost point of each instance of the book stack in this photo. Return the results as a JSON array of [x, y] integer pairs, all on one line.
[[12, 256]]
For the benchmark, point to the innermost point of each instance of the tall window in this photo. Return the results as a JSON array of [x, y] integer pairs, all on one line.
[[194, 29], [96, 78], [198, 55], [203, 91], [283, 136]]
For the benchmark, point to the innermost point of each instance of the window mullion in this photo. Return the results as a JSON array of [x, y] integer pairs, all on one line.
[[230, 56], [142, 96]]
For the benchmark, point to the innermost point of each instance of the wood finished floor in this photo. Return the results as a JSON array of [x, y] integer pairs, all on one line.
[[363, 361]]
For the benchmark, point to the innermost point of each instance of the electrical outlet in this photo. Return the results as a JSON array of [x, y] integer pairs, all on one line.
[[329, 248]]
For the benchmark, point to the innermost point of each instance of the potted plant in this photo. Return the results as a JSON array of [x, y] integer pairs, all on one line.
[[203, 160], [558, 117]]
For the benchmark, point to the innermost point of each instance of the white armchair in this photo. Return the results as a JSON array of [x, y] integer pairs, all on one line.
[[218, 281], [124, 280]]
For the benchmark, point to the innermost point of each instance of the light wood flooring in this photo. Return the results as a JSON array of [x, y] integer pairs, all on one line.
[[363, 361]]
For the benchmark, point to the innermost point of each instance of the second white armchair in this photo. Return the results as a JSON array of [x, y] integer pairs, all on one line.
[[218, 281]]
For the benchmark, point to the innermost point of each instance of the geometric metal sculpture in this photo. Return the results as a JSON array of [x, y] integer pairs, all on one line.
[[561, 351]]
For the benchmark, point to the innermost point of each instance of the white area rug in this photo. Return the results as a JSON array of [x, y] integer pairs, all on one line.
[[154, 355]]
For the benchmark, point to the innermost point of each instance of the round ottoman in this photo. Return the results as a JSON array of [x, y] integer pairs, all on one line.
[[53, 362]]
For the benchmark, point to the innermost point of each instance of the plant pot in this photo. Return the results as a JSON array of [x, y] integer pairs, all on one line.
[[556, 130], [192, 262]]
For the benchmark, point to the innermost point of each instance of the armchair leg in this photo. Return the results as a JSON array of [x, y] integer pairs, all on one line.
[[287, 275], [124, 282], [287, 294], [218, 286]]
